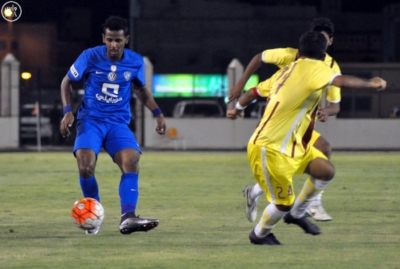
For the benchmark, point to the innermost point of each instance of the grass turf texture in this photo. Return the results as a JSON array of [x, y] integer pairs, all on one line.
[[198, 199]]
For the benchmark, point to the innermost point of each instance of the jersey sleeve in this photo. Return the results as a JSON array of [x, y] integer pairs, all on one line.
[[280, 57], [322, 77], [139, 80], [79, 67], [333, 93], [264, 88]]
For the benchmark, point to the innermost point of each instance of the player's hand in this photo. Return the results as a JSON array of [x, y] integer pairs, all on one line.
[[66, 123], [235, 93], [160, 129], [233, 114], [322, 115], [378, 83]]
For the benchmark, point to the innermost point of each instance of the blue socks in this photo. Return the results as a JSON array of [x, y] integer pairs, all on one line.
[[89, 187], [128, 192]]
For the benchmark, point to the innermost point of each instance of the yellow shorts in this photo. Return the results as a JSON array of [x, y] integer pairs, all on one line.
[[274, 171], [315, 135]]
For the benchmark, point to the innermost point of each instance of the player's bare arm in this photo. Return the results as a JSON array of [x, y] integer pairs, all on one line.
[[147, 100], [242, 103], [69, 118], [354, 82], [331, 110], [252, 67]]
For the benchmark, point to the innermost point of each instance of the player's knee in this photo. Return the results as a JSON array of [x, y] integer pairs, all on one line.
[[329, 172], [131, 164], [132, 168], [86, 171]]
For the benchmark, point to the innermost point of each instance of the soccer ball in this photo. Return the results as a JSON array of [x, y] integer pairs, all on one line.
[[87, 213]]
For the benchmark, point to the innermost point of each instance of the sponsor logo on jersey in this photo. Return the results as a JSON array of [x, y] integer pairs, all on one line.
[[127, 75], [108, 99], [74, 71], [112, 76]]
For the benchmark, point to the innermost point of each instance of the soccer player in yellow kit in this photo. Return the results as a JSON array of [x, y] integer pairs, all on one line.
[[282, 57], [280, 145]]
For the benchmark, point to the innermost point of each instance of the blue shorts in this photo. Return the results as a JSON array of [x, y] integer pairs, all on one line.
[[93, 134]]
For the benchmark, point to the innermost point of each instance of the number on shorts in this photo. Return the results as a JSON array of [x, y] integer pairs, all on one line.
[[280, 191]]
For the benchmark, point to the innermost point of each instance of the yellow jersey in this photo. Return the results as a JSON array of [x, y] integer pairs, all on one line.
[[284, 56], [289, 117]]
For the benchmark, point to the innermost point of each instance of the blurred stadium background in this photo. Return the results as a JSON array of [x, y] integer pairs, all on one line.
[[205, 44]]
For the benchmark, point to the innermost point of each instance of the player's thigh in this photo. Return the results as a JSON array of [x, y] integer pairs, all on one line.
[[120, 137], [316, 164], [89, 135], [127, 160], [274, 172], [86, 159], [319, 142]]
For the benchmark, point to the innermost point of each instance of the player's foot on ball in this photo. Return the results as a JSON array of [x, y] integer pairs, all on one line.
[[251, 204], [267, 240], [131, 223], [317, 212], [304, 223], [93, 231]]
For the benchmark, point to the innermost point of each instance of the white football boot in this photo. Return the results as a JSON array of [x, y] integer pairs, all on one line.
[[317, 212], [251, 205]]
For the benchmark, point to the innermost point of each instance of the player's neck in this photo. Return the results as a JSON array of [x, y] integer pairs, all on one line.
[[115, 58]]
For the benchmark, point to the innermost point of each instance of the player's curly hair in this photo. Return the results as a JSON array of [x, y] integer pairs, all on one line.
[[323, 24], [116, 23]]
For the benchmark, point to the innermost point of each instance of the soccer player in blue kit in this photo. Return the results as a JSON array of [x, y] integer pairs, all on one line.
[[109, 72]]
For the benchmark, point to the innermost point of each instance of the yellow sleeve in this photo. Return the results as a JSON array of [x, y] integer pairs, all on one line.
[[333, 93], [264, 87], [280, 57], [322, 76]]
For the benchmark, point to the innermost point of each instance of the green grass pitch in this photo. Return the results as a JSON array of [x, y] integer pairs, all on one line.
[[197, 197]]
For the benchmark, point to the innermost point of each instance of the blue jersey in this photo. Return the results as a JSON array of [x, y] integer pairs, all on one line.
[[107, 84]]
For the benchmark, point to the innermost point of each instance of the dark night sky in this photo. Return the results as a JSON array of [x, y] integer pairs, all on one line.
[[45, 11], [52, 10]]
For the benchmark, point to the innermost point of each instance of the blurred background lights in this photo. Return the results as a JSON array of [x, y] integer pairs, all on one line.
[[26, 75]]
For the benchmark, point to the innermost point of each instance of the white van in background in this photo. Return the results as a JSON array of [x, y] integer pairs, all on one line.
[[29, 121]]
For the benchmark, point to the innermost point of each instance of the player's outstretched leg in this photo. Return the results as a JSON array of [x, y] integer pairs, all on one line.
[[131, 223], [303, 223]]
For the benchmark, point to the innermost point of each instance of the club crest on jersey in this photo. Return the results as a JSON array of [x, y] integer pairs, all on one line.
[[112, 76], [127, 75]]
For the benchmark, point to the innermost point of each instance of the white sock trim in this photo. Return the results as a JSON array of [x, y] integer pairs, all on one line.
[[321, 184]]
